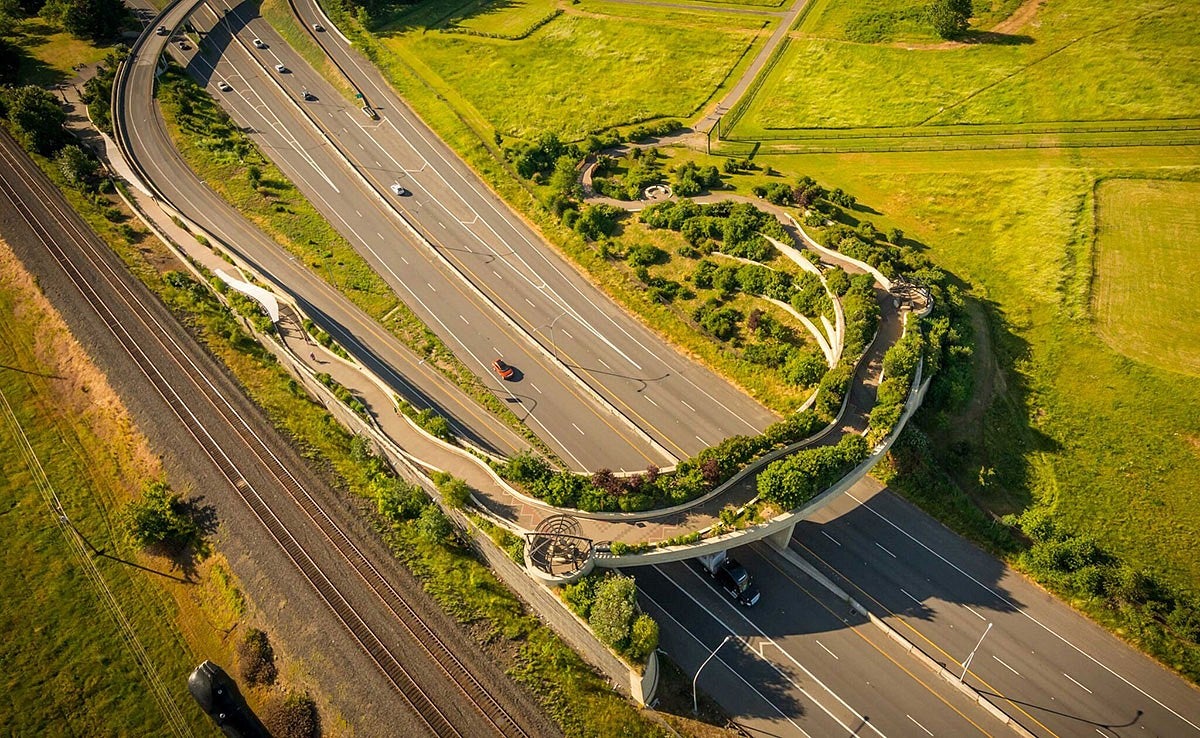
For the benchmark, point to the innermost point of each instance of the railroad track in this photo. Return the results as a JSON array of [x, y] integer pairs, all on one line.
[[132, 307]]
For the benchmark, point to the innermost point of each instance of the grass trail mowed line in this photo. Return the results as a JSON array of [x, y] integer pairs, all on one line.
[[579, 74], [1148, 245], [1130, 61], [70, 670], [1112, 446]]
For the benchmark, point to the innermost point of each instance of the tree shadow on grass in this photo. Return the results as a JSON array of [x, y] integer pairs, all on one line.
[[992, 38]]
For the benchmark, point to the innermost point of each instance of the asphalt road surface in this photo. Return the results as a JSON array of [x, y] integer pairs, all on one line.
[[801, 662], [1051, 669], [656, 405]]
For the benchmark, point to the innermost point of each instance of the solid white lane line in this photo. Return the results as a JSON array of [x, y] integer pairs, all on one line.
[[1024, 613], [1085, 689], [831, 653], [1006, 666], [914, 599], [922, 727], [831, 538], [889, 553], [975, 613]]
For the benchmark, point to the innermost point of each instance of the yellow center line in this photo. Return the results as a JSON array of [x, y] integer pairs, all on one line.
[[875, 646], [923, 637]]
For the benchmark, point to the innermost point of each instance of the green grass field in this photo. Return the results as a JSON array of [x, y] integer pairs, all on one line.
[[1148, 243], [580, 72], [872, 21], [1077, 61], [71, 670]]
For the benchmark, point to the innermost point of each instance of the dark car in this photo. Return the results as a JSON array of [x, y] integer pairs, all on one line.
[[218, 695], [736, 582], [503, 370], [309, 96]]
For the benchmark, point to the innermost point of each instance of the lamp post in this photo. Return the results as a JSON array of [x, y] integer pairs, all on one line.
[[695, 701], [553, 345], [967, 663]]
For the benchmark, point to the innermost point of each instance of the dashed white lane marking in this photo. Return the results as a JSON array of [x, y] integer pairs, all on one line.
[[403, 260], [527, 301], [465, 320], [497, 274], [701, 440], [443, 225], [973, 612], [360, 146], [652, 402], [564, 332], [889, 553], [1006, 666], [922, 727], [358, 213], [605, 363], [381, 238], [689, 407], [578, 429], [431, 287], [914, 599], [835, 541], [1085, 689], [831, 653], [535, 389]]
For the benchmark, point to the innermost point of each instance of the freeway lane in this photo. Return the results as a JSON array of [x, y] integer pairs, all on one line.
[[365, 339], [157, 154], [1059, 673], [810, 665], [681, 405]]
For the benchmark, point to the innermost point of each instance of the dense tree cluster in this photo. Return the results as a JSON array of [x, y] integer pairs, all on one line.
[[797, 478], [609, 603], [949, 18], [96, 20]]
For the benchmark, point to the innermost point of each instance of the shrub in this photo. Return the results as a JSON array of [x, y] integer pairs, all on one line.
[[434, 526], [256, 658], [581, 595], [613, 610], [398, 500], [793, 481], [646, 255], [292, 715], [643, 638]]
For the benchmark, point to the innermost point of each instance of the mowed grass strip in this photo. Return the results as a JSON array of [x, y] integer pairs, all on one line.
[[1147, 248], [70, 670], [1133, 61], [579, 74]]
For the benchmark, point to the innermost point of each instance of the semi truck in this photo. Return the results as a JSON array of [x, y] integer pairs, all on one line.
[[731, 577]]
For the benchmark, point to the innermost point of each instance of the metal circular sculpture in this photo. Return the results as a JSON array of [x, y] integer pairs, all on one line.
[[558, 546]]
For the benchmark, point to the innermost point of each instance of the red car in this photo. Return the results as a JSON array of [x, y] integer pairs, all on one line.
[[504, 371]]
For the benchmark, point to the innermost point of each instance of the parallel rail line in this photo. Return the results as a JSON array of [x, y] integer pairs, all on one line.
[[100, 270]]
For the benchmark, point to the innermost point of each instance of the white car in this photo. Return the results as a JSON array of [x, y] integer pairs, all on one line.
[[318, 27], [223, 86], [398, 190], [281, 69], [258, 44], [162, 31]]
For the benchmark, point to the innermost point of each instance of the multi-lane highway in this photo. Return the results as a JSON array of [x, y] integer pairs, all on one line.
[[596, 385], [1052, 670], [801, 663]]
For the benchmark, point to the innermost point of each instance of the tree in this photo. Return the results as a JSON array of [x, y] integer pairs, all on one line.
[[949, 18], [397, 500], [455, 492], [564, 180], [98, 20], [77, 167], [38, 117], [612, 612], [160, 517], [433, 525]]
